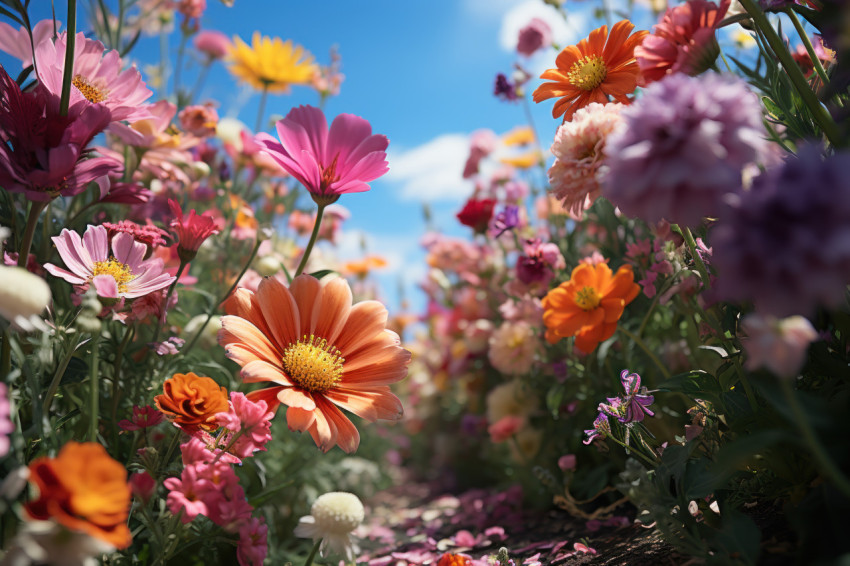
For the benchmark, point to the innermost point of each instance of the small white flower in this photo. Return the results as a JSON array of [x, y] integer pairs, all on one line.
[[23, 297], [333, 517]]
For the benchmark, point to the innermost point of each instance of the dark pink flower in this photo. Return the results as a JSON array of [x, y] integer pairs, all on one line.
[[533, 36], [143, 417], [44, 154], [143, 485], [191, 230], [148, 234], [327, 162], [199, 120], [214, 44], [253, 544], [250, 421]]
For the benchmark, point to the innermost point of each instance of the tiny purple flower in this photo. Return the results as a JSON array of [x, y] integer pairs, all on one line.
[[601, 429], [504, 88], [506, 220]]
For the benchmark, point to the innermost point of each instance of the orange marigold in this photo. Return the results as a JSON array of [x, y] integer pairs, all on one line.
[[596, 68], [453, 560], [589, 305], [84, 489], [192, 401]]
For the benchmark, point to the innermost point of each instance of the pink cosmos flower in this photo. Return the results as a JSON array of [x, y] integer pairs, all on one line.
[[683, 41], [253, 544], [533, 36], [98, 77], [44, 154], [6, 426], [17, 42], [123, 273], [331, 162], [191, 230], [214, 44]]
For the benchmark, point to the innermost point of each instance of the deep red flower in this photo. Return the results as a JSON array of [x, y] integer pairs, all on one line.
[[476, 214], [191, 230]]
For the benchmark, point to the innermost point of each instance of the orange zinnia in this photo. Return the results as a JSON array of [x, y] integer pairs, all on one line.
[[320, 352], [589, 305], [85, 490], [192, 401], [593, 70]]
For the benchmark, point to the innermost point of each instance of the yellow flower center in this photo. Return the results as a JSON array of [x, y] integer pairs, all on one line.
[[92, 93], [587, 298], [588, 73], [313, 364], [119, 271]]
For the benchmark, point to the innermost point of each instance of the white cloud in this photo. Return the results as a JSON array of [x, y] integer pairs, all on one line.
[[564, 32], [432, 171]]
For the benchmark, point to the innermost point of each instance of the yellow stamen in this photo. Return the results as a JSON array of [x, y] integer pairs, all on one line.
[[92, 93], [588, 73], [313, 364], [587, 298], [119, 271]]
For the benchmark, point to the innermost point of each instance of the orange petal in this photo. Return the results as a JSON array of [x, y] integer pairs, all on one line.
[[268, 394], [613, 308], [347, 436], [619, 34], [299, 420], [330, 312], [323, 430], [239, 331], [262, 371], [305, 289], [370, 404], [298, 398], [280, 311], [365, 320]]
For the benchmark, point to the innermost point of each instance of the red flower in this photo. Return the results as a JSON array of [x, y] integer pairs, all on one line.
[[477, 214], [191, 230]]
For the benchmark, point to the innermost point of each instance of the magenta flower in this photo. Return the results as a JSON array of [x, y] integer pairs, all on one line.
[[533, 36], [253, 545], [44, 154], [601, 429], [539, 262], [186, 494], [98, 78], [214, 44], [123, 273], [331, 162], [250, 421], [636, 402], [6, 426]]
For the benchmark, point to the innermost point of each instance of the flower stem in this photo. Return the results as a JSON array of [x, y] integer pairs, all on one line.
[[262, 110], [94, 382], [692, 247], [57, 376], [116, 373], [202, 77], [313, 553], [312, 241], [646, 350], [70, 44], [804, 37], [29, 232], [793, 71], [827, 465], [215, 305], [162, 320], [630, 450]]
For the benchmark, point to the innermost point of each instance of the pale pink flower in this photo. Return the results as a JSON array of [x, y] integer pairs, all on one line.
[[527, 309], [481, 144], [17, 42], [214, 44], [777, 344], [199, 119], [253, 543], [533, 36], [567, 462], [579, 149], [169, 347], [123, 273], [503, 429], [513, 348], [191, 9], [97, 78], [328, 162], [6, 426]]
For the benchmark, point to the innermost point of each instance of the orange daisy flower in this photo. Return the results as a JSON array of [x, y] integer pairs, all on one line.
[[319, 352], [589, 305], [84, 489], [598, 67]]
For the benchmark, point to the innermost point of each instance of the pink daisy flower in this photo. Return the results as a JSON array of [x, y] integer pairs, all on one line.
[[123, 273], [327, 162], [16, 42], [98, 77]]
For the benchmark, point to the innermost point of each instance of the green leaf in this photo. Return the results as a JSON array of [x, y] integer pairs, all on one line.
[[554, 399], [322, 273], [77, 371], [696, 384]]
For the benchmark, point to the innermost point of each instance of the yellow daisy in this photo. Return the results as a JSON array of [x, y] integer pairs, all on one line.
[[270, 63]]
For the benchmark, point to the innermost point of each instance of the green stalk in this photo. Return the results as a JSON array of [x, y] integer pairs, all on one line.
[[828, 466], [809, 47], [262, 110], [646, 351], [692, 247], [313, 553], [94, 400], [70, 44], [312, 241], [162, 321], [215, 305], [29, 232], [794, 73], [57, 376], [631, 450]]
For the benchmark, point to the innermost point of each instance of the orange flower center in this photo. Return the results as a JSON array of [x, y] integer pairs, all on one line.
[[313, 364], [119, 271], [91, 92], [588, 73], [587, 298]]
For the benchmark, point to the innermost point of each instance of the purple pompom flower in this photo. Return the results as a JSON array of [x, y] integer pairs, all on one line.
[[785, 243], [683, 147]]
